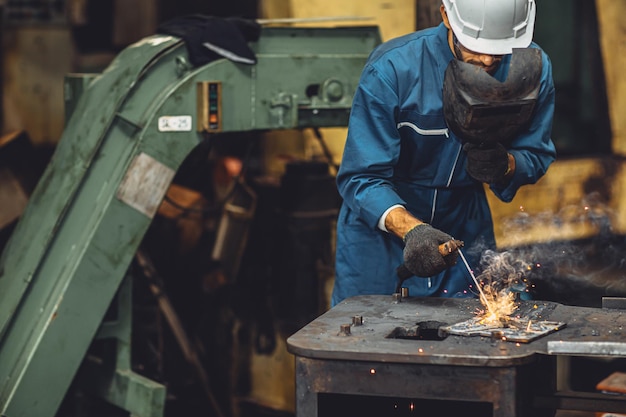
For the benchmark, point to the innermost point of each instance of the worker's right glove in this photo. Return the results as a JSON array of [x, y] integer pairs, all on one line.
[[421, 251], [488, 164]]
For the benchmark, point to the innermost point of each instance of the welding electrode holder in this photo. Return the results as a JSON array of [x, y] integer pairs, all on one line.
[[445, 249]]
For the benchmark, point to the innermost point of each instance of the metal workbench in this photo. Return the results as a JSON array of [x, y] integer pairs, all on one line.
[[354, 350]]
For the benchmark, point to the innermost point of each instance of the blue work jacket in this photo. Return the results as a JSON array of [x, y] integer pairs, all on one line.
[[399, 150]]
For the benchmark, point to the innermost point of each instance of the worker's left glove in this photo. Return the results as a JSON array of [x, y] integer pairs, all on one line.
[[421, 251], [487, 163]]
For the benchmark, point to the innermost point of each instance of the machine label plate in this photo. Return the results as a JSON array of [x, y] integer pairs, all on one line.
[[145, 184], [175, 124]]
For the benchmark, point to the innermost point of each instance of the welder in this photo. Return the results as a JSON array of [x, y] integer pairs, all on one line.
[[437, 114]]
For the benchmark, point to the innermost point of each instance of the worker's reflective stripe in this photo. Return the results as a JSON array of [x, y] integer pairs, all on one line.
[[432, 209], [431, 132], [454, 166], [432, 216]]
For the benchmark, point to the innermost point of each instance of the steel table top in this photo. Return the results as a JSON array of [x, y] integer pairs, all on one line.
[[591, 329]]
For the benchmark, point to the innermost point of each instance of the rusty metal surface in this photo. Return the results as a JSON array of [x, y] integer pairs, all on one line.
[[382, 316]]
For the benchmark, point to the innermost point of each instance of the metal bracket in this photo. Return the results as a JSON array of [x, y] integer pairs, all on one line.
[[618, 303], [117, 383], [283, 111]]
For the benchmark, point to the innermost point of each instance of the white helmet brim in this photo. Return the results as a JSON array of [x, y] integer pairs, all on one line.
[[484, 33]]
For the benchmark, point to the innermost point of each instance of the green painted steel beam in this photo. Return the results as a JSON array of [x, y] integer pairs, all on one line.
[[126, 389], [131, 129]]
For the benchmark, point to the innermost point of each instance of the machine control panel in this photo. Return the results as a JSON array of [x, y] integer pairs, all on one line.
[[209, 106]]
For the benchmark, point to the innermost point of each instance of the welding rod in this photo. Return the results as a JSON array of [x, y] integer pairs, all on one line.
[[480, 290]]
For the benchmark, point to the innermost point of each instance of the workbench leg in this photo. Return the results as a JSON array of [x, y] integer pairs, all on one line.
[[306, 398], [504, 392]]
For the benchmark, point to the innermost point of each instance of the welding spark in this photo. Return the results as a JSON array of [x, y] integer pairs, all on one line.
[[503, 276]]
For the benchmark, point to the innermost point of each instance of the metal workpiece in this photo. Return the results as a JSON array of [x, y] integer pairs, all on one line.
[[587, 348], [614, 302]]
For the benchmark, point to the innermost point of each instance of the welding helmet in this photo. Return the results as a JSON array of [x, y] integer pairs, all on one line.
[[480, 109], [492, 27]]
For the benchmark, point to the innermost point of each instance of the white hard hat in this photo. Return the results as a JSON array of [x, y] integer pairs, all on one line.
[[492, 27]]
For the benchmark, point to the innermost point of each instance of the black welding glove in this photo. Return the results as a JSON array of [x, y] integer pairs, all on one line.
[[487, 163], [421, 251]]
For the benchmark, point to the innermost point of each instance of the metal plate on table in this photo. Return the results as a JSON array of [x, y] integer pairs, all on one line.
[[521, 331]]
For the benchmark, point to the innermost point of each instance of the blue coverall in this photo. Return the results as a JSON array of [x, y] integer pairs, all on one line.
[[400, 151]]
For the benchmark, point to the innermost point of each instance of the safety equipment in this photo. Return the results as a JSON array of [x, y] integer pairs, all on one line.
[[488, 164], [492, 27], [421, 251], [480, 109]]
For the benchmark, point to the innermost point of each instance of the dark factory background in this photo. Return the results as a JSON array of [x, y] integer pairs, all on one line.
[[212, 328]]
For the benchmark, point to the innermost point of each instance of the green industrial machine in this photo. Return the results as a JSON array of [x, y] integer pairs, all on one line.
[[128, 130]]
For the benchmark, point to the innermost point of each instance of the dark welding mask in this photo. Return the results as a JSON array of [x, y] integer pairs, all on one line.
[[480, 109]]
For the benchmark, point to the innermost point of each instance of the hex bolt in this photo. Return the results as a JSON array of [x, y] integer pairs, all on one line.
[[405, 292], [344, 330], [357, 320]]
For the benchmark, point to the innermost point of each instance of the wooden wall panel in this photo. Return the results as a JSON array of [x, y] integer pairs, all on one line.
[[34, 64], [612, 23]]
